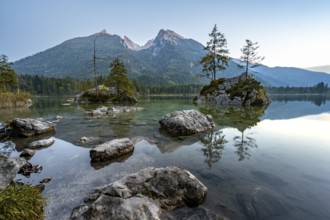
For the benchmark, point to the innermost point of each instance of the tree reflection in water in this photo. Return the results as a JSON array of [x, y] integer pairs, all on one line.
[[214, 143], [243, 146], [241, 118]]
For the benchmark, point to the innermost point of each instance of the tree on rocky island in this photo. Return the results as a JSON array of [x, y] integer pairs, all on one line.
[[250, 55], [217, 57], [8, 78], [118, 79]]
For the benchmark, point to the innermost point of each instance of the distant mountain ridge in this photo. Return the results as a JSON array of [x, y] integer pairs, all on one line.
[[325, 68], [167, 59]]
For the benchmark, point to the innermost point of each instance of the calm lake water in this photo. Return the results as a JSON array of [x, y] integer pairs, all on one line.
[[258, 163]]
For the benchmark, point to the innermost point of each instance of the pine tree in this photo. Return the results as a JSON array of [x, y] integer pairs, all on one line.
[[217, 57], [250, 55], [118, 78], [8, 78]]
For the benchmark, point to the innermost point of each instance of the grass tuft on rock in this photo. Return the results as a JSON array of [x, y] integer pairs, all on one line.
[[212, 87], [21, 202]]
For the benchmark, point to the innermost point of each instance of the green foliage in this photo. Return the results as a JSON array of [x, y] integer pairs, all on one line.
[[21, 202], [250, 55], [246, 86], [212, 87], [40, 85], [217, 57], [95, 97], [10, 100], [7, 75], [118, 79]]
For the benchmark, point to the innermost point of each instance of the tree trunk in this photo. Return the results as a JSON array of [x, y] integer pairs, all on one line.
[[246, 68]]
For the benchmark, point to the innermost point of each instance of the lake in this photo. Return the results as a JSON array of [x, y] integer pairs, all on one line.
[[258, 163]]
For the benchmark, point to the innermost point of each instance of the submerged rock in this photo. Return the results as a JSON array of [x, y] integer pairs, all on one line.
[[28, 127], [261, 203], [9, 167], [143, 195], [27, 153], [186, 122], [88, 140], [111, 150]]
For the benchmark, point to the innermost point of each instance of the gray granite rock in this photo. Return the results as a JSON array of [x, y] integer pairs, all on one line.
[[143, 195], [112, 149], [41, 143], [28, 127], [9, 167], [186, 122]]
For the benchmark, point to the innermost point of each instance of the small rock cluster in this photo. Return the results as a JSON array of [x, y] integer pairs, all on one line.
[[112, 110]]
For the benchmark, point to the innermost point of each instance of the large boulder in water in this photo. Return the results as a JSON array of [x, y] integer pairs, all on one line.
[[143, 195], [111, 150], [186, 122], [28, 127]]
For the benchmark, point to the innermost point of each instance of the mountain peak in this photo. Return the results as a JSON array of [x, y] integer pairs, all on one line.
[[130, 44], [168, 35], [104, 31]]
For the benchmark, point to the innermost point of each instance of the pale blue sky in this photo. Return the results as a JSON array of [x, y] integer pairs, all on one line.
[[290, 32]]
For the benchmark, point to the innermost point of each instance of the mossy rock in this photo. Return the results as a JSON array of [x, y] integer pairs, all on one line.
[[209, 89], [106, 94], [240, 90]]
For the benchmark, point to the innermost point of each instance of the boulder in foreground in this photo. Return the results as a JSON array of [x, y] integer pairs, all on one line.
[[186, 122], [143, 195]]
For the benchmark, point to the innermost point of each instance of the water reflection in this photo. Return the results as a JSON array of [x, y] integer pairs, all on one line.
[[241, 118], [318, 100], [243, 145], [8, 114], [213, 144], [235, 117]]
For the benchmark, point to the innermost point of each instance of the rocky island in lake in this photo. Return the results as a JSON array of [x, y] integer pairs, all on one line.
[[237, 91]]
